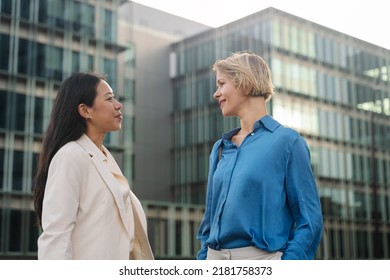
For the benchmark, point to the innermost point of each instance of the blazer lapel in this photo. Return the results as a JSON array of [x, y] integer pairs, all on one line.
[[108, 178]]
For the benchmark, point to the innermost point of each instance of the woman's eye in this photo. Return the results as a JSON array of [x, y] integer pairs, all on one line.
[[111, 98]]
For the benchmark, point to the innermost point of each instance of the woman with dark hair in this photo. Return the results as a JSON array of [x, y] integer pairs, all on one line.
[[83, 202]]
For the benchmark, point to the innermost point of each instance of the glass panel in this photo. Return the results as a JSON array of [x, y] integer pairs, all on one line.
[[42, 11], [75, 62], [25, 9], [88, 19], [15, 231], [19, 112], [2, 231], [6, 7], [38, 115], [294, 41], [56, 13], [1, 174], [362, 245], [277, 73], [3, 108], [109, 30], [40, 66], [110, 71], [76, 16], [302, 37], [4, 51], [91, 63], [319, 47], [53, 62], [23, 52], [360, 206], [129, 90], [17, 171], [276, 33]]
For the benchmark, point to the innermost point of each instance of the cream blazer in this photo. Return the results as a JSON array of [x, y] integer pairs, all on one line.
[[86, 213]]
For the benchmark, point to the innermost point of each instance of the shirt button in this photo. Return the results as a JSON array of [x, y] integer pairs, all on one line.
[[252, 133]]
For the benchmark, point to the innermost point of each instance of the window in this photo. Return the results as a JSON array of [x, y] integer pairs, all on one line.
[[110, 70], [360, 206], [5, 52], [91, 64], [15, 231], [41, 66], [276, 38], [83, 18], [75, 62], [3, 108], [25, 9], [1, 175], [38, 115], [17, 171], [19, 112], [129, 90], [53, 62], [6, 7], [109, 26], [362, 245], [24, 49]]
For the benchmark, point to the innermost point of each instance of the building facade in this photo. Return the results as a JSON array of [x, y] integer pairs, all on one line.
[[41, 43], [149, 33], [334, 89]]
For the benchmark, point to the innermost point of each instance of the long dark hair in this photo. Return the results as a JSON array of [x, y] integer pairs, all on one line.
[[66, 124]]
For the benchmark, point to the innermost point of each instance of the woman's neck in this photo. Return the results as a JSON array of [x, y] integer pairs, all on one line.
[[97, 139], [256, 111]]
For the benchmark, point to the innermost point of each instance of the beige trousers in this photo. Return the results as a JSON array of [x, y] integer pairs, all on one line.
[[244, 253]]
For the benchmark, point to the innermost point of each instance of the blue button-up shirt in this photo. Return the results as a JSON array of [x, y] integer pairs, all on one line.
[[262, 193]]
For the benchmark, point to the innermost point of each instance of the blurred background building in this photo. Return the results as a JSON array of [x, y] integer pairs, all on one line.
[[333, 88], [41, 43]]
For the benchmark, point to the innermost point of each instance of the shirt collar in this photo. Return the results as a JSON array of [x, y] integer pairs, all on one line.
[[267, 121], [228, 135]]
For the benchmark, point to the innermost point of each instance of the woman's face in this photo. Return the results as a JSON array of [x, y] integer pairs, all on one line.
[[105, 114], [231, 99]]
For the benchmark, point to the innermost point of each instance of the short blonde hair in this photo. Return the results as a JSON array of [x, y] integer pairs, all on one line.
[[248, 71]]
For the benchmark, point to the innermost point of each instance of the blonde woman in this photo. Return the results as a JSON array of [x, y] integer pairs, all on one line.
[[262, 200]]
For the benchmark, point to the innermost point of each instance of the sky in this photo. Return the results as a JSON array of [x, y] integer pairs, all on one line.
[[367, 20]]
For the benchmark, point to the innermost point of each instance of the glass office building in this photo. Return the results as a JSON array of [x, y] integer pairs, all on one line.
[[334, 89], [149, 34], [41, 43]]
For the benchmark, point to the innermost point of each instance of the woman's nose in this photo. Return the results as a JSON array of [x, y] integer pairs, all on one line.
[[216, 94], [118, 105]]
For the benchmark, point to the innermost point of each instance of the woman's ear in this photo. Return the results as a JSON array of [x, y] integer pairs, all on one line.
[[84, 111]]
